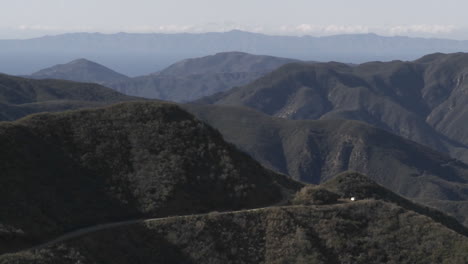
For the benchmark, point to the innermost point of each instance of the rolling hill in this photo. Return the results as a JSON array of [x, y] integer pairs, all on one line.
[[65, 171], [423, 100]]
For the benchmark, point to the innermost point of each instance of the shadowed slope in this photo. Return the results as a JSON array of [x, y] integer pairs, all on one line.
[[423, 100], [378, 228], [69, 170], [314, 151]]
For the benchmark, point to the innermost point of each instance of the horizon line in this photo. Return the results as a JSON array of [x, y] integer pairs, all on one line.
[[240, 31]]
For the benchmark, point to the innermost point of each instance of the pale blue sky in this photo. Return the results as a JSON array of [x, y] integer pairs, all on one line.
[[429, 18]]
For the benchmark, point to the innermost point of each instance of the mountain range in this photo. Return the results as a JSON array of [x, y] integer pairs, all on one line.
[[423, 100], [149, 181], [186, 80], [310, 151], [140, 54], [316, 151], [192, 79]]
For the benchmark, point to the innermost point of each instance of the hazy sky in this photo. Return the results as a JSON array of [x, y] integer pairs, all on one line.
[[428, 18]]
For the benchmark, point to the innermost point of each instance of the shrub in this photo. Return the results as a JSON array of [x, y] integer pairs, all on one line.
[[315, 195]]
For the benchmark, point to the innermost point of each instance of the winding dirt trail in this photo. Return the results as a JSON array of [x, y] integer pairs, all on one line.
[[96, 228]]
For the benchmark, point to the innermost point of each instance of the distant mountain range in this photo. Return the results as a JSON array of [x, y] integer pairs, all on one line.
[[424, 100], [140, 54], [191, 79], [186, 80]]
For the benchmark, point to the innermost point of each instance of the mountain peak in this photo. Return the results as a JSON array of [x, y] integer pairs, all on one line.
[[80, 70], [82, 60], [234, 52]]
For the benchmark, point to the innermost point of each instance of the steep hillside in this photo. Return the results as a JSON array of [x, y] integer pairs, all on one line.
[[76, 169], [191, 79], [379, 227], [314, 151], [423, 100], [80, 70], [20, 96]]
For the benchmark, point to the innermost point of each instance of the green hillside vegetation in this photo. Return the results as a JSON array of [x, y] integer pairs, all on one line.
[[377, 228], [423, 100], [315, 151], [69, 170]]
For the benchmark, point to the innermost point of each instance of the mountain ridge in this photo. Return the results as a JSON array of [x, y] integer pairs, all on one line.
[[314, 151], [420, 100], [20, 96], [295, 148], [193, 78], [375, 228]]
